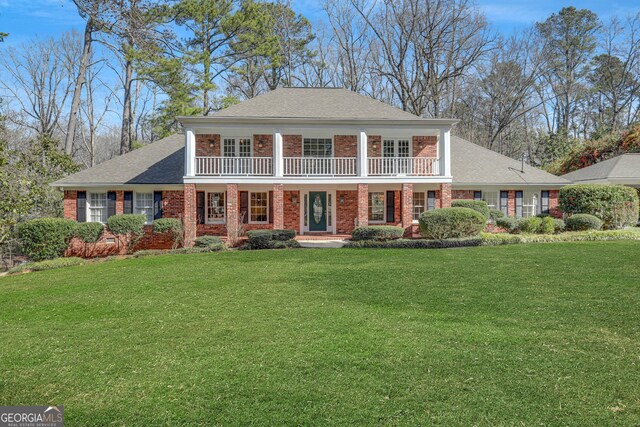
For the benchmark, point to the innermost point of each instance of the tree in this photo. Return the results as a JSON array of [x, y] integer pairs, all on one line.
[[569, 40]]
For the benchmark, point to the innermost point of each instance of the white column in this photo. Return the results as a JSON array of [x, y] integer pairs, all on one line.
[[363, 162], [278, 152], [189, 152], [444, 152]]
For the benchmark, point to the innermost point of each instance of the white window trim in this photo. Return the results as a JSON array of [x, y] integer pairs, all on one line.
[[250, 205], [395, 140], [333, 146], [206, 208], [237, 146], [384, 208], [135, 201], [88, 202], [425, 206]]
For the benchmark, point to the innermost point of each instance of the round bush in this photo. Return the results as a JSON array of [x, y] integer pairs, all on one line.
[[582, 222], [451, 223], [45, 238], [377, 232], [477, 205], [615, 205], [530, 225], [547, 225], [507, 223], [558, 225], [89, 232], [495, 214]]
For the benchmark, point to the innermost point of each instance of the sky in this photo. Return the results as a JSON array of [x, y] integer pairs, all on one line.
[[25, 19]]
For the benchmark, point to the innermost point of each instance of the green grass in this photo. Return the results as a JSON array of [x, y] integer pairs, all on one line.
[[544, 334]]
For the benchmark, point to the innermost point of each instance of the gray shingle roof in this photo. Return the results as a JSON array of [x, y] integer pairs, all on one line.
[[625, 166], [476, 165], [161, 162], [310, 103]]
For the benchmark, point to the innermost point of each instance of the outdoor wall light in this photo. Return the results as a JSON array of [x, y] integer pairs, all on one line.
[[211, 143], [294, 200], [260, 143], [341, 199]]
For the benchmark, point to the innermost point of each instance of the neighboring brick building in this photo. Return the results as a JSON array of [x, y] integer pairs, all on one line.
[[313, 160]]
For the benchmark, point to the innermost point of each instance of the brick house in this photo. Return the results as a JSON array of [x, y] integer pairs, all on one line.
[[313, 160]]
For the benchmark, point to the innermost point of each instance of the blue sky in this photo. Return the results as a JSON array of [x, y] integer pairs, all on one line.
[[24, 19]]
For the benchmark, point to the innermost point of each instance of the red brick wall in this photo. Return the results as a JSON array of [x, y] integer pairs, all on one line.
[[119, 202], [267, 145], [554, 209], [172, 203], [203, 145], [292, 145], [377, 140], [363, 205], [190, 214], [149, 240], [346, 213], [444, 196], [462, 194], [291, 212], [511, 204], [278, 207], [70, 204], [345, 146], [429, 146], [407, 208], [232, 213]]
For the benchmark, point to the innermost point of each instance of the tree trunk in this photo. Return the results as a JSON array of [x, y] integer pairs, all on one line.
[[77, 92], [125, 134]]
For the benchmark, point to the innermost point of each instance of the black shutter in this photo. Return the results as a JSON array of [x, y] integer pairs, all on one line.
[[270, 207], [128, 202], [431, 200], [391, 206], [244, 206], [157, 204], [111, 203], [81, 206], [544, 196], [200, 207], [477, 195], [519, 198], [504, 202]]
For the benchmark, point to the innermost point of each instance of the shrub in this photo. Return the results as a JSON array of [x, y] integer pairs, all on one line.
[[582, 222], [547, 225], [265, 239], [129, 226], [477, 205], [49, 264], [414, 243], [89, 232], [490, 239], [558, 225], [45, 238], [529, 225], [615, 205], [508, 223], [377, 232], [207, 241], [495, 214], [451, 223], [172, 226]]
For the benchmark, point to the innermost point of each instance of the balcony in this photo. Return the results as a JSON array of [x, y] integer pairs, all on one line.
[[320, 166], [403, 166], [234, 166]]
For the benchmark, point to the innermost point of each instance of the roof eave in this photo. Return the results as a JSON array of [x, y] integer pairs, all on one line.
[[190, 121]]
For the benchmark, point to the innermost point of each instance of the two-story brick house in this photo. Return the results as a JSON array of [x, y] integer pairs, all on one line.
[[313, 160]]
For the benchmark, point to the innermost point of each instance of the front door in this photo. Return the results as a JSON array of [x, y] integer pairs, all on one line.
[[317, 211]]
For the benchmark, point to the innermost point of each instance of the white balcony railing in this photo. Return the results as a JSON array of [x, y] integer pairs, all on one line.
[[234, 166], [320, 166], [416, 166]]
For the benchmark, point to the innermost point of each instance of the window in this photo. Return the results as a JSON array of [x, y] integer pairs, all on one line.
[[431, 200], [519, 204], [236, 147], [98, 207], [259, 207], [215, 207], [491, 197], [477, 195], [376, 207], [395, 148], [143, 205], [419, 205], [317, 147], [544, 202], [529, 204], [504, 202]]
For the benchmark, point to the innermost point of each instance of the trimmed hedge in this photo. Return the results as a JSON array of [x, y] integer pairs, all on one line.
[[180, 251], [268, 239], [492, 239], [477, 205], [529, 225], [508, 223], [414, 244], [49, 264], [208, 241], [130, 226], [172, 226], [558, 225], [583, 222], [45, 238], [377, 232], [615, 205], [88, 232], [495, 214], [451, 223]]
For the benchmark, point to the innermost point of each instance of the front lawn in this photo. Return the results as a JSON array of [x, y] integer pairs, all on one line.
[[545, 334]]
